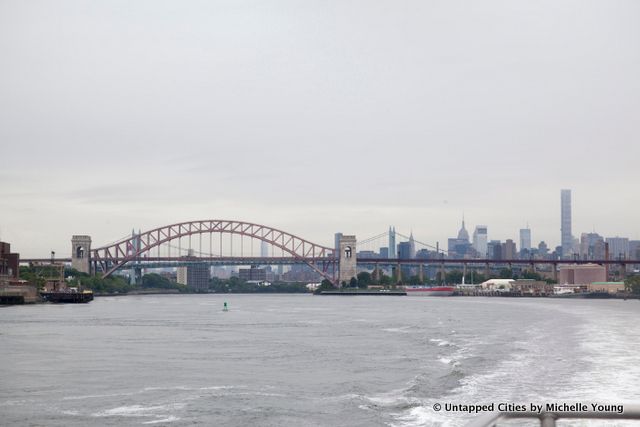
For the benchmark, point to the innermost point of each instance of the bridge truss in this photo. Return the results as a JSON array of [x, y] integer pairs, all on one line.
[[140, 246]]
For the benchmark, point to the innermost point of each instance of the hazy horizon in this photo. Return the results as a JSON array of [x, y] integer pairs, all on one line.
[[317, 117]]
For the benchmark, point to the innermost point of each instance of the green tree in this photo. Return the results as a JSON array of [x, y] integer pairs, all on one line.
[[528, 274], [454, 276], [364, 279], [325, 285], [414, 280], [476, 278], [506, 273], [153, 280], [382, 278], [353, 283], [219, 286], [632, 284], [386, 280], [72, 272], [109, 285]]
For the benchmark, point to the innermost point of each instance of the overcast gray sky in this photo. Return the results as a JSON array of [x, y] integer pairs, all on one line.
[[317, 117]]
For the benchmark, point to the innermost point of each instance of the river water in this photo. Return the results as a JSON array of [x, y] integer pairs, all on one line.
[[302, 360]]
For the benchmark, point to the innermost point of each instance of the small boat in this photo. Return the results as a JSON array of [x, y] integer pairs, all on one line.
[[429, 291]]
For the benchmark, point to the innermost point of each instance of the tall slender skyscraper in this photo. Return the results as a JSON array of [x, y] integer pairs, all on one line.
[[412, 246], [392, 243], [565, 222], [525, 239]]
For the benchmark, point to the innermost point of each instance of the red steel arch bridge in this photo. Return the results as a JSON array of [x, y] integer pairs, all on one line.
[[154, 247]]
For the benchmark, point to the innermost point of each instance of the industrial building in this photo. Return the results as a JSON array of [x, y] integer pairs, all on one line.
[[581, 274]]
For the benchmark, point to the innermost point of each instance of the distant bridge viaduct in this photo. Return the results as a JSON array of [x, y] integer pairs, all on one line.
[[336, 264]]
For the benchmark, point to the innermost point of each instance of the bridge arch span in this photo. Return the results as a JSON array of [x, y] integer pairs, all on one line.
[[114, 256]]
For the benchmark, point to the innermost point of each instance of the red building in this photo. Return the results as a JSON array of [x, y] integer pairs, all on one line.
[[8, 261]]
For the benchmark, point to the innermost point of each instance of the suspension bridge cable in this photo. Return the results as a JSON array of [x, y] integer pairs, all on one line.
[[422, 243], [371, 239]]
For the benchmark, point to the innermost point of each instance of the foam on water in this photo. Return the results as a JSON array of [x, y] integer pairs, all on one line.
[[403, 330], [613, 369], [163, 420], [422, 416], [15, 402], [394, 400], [440, 342], [139, 410], [606, 369], [96, 396]]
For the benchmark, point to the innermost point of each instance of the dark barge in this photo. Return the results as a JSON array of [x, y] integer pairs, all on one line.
[[68, 297]]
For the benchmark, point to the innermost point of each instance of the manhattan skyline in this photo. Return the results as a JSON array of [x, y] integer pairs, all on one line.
[[317, 118]]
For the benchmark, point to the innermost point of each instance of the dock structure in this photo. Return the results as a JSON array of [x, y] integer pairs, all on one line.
[[18, 294]]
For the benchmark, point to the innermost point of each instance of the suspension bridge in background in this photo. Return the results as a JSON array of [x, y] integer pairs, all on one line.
[[230, 242]]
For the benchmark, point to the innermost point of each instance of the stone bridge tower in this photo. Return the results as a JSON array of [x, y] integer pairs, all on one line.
[[81, 253], [347, 270]]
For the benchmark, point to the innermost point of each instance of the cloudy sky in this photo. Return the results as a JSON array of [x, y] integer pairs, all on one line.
[[317, 117]]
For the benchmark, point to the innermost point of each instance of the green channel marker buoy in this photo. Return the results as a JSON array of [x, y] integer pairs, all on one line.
[[225, 308]]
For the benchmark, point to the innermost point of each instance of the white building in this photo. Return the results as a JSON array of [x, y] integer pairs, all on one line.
[[497, 284], [480, 240]]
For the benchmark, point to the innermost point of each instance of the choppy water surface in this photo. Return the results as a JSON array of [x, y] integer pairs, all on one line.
[[300, 360]]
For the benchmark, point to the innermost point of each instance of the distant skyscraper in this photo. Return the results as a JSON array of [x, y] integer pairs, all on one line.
[[634, 249], [404, 250], [264, 249], [463, 235], [459, 246], [618, 247], [543, 249], [407, 250], [494, 249], [412, 246], [509, 249], [565, 223], [525, 239], [480, 240], [392, 243], [424, 254], [592, 246]]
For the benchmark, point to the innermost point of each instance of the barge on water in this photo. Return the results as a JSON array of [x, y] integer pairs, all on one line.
[[429, 290], [383, 292], [68, 297]]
